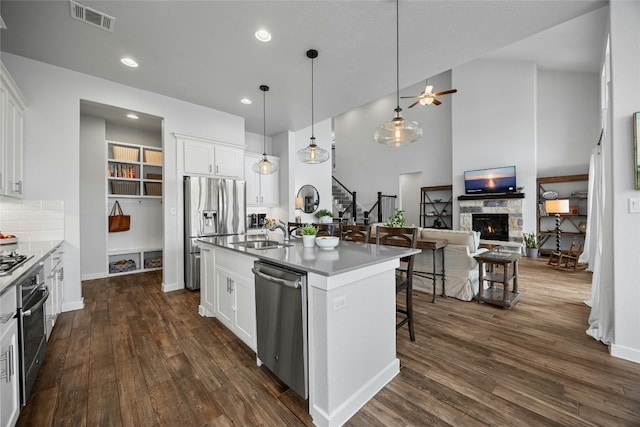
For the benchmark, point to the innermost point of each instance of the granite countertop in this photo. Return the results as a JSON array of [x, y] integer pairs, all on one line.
[[345, 257], [39, 250]]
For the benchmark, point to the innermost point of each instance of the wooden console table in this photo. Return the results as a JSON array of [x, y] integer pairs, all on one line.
[[503, 297]]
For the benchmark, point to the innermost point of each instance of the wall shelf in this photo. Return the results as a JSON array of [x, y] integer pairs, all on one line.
[[436, 206]]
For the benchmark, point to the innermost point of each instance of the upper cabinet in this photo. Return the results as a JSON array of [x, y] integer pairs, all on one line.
[[12, 108], [212, 159], [262, 190]]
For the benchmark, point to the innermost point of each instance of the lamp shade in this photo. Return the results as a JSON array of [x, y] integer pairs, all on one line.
[[398, 132], [264, 166], [299, 203], [557, 206]]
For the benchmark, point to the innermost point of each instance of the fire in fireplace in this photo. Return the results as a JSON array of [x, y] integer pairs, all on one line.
[[491, 226]]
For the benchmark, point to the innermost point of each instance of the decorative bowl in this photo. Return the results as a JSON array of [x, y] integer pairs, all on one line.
[[327, 242]]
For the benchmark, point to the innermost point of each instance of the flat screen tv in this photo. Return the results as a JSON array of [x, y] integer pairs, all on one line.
[[493, 180]]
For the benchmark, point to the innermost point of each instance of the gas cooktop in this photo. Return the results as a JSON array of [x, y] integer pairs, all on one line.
[[10, 262]]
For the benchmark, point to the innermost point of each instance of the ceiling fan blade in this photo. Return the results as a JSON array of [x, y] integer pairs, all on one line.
[[435, 101], [417, 96], [414, 104], [445, 92]]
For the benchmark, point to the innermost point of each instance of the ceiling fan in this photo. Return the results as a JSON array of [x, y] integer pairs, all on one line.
[[428, 97]]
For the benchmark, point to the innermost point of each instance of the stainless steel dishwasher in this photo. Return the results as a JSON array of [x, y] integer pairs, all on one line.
[[281, 314]]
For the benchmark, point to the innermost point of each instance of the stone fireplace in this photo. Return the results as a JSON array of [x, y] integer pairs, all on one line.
[[508, 206]]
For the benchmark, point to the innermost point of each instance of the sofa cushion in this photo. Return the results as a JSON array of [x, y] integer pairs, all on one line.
[[455, 237]]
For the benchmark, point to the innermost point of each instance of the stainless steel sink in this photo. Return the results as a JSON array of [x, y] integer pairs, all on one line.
[[261, 244]]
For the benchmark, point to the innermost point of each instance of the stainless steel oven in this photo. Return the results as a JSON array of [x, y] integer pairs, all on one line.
[[32, 294]]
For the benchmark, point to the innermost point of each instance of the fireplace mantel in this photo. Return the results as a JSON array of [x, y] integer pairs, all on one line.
[[491, 196]]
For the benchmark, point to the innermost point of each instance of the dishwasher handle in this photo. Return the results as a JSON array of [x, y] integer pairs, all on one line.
[[289, 283]]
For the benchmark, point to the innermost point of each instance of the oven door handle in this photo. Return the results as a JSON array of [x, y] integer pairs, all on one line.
[[37, 305]]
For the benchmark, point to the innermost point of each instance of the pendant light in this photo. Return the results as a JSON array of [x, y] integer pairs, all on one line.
[[312, 154], [398, 132], [264, 166]]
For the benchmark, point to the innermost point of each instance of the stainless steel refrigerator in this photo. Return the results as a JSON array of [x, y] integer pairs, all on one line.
[[212, 207]]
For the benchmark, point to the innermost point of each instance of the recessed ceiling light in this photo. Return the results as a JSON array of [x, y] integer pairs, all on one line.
[[246, 101], [263, 35], [129, 62], [132, 116]]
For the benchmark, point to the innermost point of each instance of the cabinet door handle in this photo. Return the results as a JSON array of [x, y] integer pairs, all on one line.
[[217, 169], [210, 168], [256, 199], [7, 358], [18, 187]]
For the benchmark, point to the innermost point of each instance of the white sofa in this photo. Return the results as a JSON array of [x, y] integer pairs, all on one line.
[[461, 269]]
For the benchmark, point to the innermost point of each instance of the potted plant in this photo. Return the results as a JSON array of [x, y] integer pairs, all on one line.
[[397, 220], [324, 216], [308, 233], [531, 244]]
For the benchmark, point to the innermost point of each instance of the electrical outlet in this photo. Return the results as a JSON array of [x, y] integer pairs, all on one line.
[[339, 303], [634, 205]]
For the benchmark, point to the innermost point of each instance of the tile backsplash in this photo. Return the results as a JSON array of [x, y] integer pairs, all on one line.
[[33, 220]]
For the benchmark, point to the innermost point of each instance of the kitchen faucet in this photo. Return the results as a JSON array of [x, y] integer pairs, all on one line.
[[281, 226]]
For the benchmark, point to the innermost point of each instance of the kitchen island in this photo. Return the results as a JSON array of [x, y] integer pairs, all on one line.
[[351, 312]]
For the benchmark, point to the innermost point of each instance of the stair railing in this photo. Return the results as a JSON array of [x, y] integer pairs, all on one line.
[[386, 205], [352, 205]]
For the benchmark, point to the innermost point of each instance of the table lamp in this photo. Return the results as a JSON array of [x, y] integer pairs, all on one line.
[[298, 204], [558, 206]]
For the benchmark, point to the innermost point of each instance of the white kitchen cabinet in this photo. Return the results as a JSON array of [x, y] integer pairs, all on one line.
[[12, 108], [54, 279], [207, 281], [261, 190], [9, 383], [207, 158], [227, 276]]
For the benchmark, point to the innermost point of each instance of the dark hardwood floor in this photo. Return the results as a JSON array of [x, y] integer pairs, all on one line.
[[135, 356]]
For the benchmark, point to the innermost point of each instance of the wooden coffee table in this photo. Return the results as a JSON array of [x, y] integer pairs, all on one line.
[[497, 295]]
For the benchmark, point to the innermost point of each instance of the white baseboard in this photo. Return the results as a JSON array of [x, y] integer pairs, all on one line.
[[73, 305], [93, 276], [346, 410], [169, 287], [627, 353]]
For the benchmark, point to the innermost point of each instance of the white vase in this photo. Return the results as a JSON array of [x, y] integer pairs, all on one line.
[[308, 241], [325, 220]]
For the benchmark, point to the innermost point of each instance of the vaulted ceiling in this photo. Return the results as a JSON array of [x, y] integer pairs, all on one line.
[[205, 52]]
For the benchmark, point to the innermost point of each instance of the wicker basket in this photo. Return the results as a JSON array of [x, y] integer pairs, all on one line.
[[153, 188], [153, 262], [157, 176], [122, 266], [124, 188], [125, 153], [153, 157]]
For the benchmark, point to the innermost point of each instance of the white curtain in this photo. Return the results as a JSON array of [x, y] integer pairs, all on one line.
[[601, 316]]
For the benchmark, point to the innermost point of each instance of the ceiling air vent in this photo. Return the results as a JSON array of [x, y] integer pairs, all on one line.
[[91, 16]]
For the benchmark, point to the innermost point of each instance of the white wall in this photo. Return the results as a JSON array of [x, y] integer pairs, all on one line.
[[625, 95], [92, 163], [568, 129], [494, 124], [52, 123], [254, 143], [367, 167]]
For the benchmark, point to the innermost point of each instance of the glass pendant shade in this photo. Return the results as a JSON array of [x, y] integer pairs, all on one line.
[[264, 166], [398, 132], [313, 154]]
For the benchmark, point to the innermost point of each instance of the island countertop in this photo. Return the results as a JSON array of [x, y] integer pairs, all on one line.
[[345, 257]]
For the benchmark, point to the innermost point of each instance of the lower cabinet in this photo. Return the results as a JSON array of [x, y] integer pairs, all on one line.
[[228, 291], [54, 279], [9, 383]]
